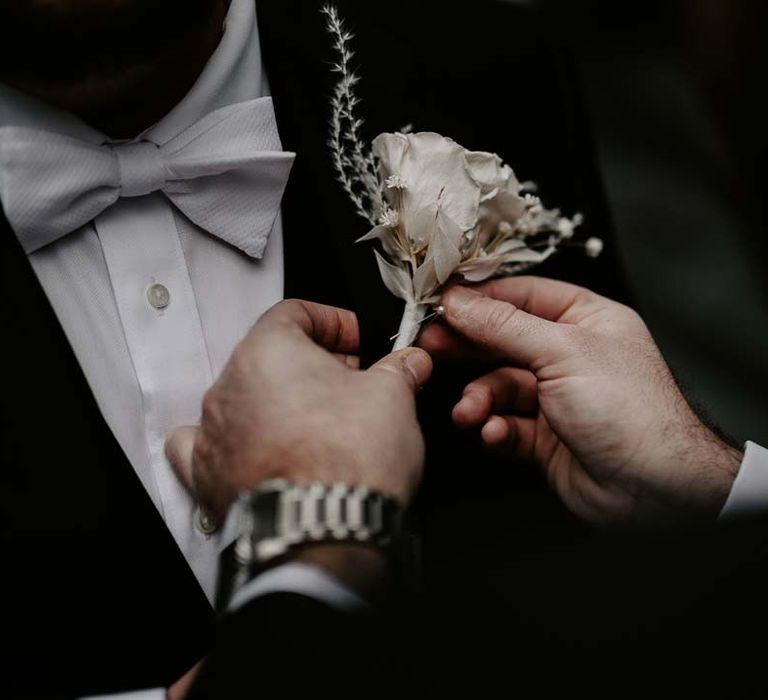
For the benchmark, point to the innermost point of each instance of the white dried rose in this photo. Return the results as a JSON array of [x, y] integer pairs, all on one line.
[[436, 199], [450, 212]]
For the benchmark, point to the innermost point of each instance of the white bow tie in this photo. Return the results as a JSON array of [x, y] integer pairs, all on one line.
[[226, 173]]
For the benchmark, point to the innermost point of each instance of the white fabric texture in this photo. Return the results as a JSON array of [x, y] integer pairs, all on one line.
[[749, 493], [226, 173], [152, 694], [149, 367], [303, 579]]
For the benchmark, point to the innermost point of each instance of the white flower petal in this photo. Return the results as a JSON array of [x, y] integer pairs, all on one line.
[[508, 246], [425, 280], [380, 232], [389, 149], [445, 248], [528, 255], [389, 241], [490, 172], [505, 206], [480, 269], [420, 228], [396, 278], [435, 169]]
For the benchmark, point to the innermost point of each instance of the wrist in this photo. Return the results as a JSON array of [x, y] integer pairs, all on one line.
[[704, 469], [718, 465], [347, 531]]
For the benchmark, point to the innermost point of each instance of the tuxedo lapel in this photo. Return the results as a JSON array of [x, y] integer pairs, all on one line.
[[97, 595]]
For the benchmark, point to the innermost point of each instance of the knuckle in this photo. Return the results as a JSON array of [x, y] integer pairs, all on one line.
[[282, 312], [572, 334], [291, 304], [200, 451], [576, 340], [211, 407], [584, 298], [241, 359], [483, 388], [634, 318]]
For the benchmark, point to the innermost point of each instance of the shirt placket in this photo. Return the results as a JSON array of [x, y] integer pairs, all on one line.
[[159, 315]]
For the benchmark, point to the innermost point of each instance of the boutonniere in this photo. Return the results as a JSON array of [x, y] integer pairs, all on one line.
[[438, 211]]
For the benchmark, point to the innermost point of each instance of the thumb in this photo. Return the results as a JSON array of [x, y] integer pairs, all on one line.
[[178, 450], [411, 364], [501, 327]]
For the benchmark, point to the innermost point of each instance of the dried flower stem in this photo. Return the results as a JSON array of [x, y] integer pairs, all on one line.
[[354, 163], [413, 316]]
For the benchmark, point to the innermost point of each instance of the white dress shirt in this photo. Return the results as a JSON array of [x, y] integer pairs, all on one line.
[[749, 493], [151, 304]]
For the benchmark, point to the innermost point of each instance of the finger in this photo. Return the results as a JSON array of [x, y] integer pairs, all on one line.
[[502, 327], [445, 344], [550, 299], [332, 328], [505, 390], [178, 450], [213, 500], [412, 365], [511, 435], [181, 687]]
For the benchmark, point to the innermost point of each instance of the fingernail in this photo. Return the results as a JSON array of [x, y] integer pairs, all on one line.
[[418, 364], [457, 298]]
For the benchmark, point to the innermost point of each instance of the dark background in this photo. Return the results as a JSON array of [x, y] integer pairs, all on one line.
[[676, 93]]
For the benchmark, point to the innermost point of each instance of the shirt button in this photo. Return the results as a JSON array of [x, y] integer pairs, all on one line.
[[204, 522], [158, 296]]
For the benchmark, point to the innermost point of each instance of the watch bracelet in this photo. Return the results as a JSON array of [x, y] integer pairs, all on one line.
[[279, 516]]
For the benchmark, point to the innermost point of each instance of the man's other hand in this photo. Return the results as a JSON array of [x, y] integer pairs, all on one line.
[[583, 391], [291, 403]]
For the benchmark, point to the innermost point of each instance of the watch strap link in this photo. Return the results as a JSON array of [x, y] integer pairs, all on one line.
[[279, 516]]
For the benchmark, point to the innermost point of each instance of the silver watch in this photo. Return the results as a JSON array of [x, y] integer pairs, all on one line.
[[278, 516]]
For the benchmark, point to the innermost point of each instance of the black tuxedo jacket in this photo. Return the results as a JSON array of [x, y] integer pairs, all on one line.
[[96, 595], [668, 614]]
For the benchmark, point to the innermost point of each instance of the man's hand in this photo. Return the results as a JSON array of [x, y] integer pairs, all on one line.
[[291, 403], [584, 392]]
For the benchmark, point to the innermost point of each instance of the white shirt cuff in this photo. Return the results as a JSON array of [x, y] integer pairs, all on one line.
[[153, 694], [303, 579], [749, 493]]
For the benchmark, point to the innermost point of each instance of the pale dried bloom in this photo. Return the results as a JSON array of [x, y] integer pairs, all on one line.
[[395, 182], [593, 247], [463, 216], [439, 211], [389, 218]]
